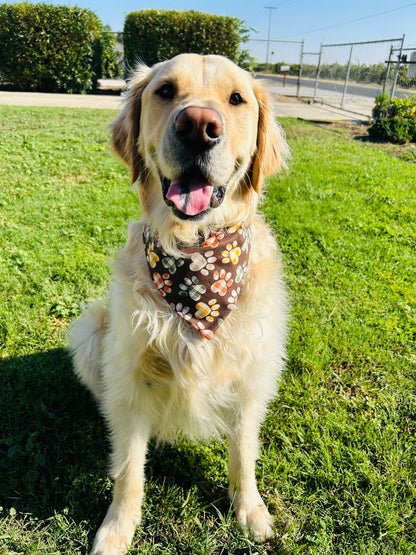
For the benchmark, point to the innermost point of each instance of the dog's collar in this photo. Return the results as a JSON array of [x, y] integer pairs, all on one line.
[[204, 286]]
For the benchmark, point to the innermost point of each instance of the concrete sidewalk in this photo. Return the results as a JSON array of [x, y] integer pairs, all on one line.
[[284, 106], [321, 111], [326, 107], [60, 100]]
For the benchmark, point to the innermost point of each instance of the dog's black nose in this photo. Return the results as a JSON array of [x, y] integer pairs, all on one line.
[[199, 128]]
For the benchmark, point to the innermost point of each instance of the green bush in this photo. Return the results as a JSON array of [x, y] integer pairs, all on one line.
[[396, 130], [397, 120], [404, 107], [105, 59], [381, 105], [398, 107], [50, 48], [155, 35]]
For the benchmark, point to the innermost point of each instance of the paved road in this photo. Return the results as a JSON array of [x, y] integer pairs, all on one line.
[[331, 88]]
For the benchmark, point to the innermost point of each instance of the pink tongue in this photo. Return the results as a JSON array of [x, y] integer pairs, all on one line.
[[190, 198]]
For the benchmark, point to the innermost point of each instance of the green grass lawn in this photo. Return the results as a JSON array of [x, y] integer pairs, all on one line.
[[339, 443]]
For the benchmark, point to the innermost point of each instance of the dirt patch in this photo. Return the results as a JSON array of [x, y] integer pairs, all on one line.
[[359, 132], [353, 130], [289, 99]]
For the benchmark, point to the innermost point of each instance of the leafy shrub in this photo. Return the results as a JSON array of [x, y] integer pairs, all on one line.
[[105, 60], [397, 120], [381, 105], [412, 129], [404, 107], [401, 107], [50, 48], [397, 130], [156, 35]]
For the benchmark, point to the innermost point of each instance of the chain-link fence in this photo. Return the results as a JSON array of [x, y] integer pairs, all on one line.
[[351, 75], [348, 76]]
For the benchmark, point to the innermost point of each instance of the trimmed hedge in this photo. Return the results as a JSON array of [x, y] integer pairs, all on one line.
[[49, 48], [106, 61], [155, 35]]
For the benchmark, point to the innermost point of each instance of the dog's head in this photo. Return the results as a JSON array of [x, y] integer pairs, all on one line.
[[199, 137]]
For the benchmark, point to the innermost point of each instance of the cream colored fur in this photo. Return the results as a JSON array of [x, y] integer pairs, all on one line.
[[150, 371]]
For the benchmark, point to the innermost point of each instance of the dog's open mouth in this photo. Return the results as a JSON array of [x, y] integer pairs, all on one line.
[[191, 195]]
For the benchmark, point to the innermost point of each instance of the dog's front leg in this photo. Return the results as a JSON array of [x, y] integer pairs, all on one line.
[[243, 447], [128, 460]]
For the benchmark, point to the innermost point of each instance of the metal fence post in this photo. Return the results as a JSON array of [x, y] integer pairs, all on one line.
[[317, 74], [388, 70], [300, 67], [396, 73], [346, 78]]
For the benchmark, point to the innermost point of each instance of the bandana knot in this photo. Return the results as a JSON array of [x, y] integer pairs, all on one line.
[[204, 286]]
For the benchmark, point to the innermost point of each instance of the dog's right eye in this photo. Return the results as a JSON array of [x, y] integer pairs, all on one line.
[[236, 99], [166, 91]]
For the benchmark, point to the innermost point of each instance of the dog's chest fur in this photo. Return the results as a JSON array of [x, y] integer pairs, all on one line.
[[184, 382]]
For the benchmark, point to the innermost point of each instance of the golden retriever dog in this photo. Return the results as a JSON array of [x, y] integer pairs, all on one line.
[[192, 342]]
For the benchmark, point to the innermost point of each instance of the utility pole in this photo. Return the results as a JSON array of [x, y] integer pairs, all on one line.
[[270, 8]]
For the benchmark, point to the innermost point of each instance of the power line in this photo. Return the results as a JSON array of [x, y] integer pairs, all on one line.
[[355, 20]]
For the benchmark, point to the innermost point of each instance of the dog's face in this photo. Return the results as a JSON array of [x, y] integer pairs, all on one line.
[[199, 137]]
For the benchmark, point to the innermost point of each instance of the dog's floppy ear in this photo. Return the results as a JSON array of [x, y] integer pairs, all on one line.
[[125, 129], [272, 150]]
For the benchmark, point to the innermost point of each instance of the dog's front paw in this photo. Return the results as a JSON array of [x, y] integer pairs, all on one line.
[[113, 537], [257, 519]]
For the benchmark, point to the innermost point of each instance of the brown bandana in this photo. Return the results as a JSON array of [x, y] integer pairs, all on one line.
[[202, 288]]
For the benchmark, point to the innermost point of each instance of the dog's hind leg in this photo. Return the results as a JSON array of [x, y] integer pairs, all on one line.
[[85, 343], [243, 447]]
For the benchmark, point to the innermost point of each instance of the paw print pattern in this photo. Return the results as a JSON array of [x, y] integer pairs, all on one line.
[[204, 284], [172, 264], [231, 254], [152, 258], [203, 263], [223, 280], [240, 272], [198, 325], [232, 299], [183, 311], [213, 240], [192, 288], [208, 311], [162, 283]]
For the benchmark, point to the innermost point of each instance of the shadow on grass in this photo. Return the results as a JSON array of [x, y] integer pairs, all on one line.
[[53, 440], [54, 451]]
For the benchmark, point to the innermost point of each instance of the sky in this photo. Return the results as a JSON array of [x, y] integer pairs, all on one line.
[[327, 22]]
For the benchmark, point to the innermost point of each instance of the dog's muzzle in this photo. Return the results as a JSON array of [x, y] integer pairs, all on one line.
[[197, 130]]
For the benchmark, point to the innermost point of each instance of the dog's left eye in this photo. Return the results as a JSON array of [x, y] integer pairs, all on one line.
[[236, 99], [166, 91]]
